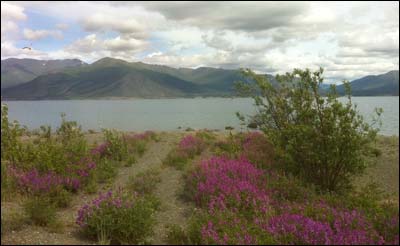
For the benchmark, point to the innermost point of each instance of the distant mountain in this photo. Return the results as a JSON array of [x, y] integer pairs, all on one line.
[[110, 77], [375, 85], [105, 78], [113, 78], [18, 71]]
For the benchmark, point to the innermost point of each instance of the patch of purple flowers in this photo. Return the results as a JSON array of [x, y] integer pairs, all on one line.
[[223, 182], [107, 199], [191, 145]]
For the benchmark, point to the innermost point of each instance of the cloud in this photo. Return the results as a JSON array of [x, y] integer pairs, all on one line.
[[12, 12], [92, 47], [247, 16], [62, 26], [9, 50], [100, 22], [41, 34], [348, 40], [10, 16]]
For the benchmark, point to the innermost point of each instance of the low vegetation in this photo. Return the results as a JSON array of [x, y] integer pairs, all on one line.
[[291, 180], [189, 147], [118, 218]]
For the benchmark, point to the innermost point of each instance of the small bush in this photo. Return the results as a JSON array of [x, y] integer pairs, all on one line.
[[118, 218], [61, 198], [116, 147], [176, 235], [145, 182], [176, 159], [13, 221], [40, 211], [106, 170]]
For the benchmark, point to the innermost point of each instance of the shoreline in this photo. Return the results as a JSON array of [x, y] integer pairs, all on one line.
[[150, 98]]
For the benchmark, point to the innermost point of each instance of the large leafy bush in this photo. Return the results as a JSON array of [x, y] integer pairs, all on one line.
[[318, 138]]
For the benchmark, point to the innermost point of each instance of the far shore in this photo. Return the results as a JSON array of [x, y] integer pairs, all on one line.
[[147, 98]]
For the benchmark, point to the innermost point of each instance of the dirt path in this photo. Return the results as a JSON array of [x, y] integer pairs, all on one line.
[[37, 235], [174, 210]]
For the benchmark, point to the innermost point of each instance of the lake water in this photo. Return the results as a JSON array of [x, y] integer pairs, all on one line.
[[168, 114]]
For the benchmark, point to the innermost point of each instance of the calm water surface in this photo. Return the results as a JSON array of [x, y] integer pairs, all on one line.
[[168, 114]]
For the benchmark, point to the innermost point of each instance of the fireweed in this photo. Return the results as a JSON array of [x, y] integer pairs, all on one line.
[[253, 146], [239, 209], [225, 183], [32, 181], [191, 145], [188, 148], [117, 216]]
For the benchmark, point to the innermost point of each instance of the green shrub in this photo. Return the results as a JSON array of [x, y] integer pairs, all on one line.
[[70, 135], [176, 159], [106, 170], [117, 147], [176, 235], [40, 211], [119, 219], [285, 188], [206, 135], [61, 198], [139, 147], [145, 182], [12, 221], [130, 160], [11, 147], [189, 236], [318, 138]]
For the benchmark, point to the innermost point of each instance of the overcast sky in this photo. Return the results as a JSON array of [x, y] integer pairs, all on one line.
[[348, 39]]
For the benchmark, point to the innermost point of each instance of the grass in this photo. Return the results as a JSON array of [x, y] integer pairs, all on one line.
[[13, 221], [175, 159], [40, 211], [145, 182]]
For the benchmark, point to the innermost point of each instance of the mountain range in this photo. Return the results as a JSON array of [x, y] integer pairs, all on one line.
[[29, 79]]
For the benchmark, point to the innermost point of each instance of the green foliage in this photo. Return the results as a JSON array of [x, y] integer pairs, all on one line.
[[106, 170], [176, 235], [13, 221], [139, 147], [60, 198], [8, 186], [176, 159], [11, 147], [206, 135], [72, 138], [117, 147], [122, 225], [287, 188], [317, 138], [40, 211], [232, 146], [145, 182], [189, 236], [46, 152]]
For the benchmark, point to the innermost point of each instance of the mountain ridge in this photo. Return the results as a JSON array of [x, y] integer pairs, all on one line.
[[115, 78]]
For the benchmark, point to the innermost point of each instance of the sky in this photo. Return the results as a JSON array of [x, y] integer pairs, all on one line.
[[348, 39]]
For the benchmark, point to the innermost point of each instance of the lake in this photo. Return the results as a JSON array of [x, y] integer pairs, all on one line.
[[168, 114]]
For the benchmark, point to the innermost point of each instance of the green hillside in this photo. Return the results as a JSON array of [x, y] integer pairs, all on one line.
[[18, 71], [375, 85], [108, 77]]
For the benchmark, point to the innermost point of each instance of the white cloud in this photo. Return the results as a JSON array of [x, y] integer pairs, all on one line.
[[62, 26], [348, 39], [30, 34], [12, 12], [10, 16]]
